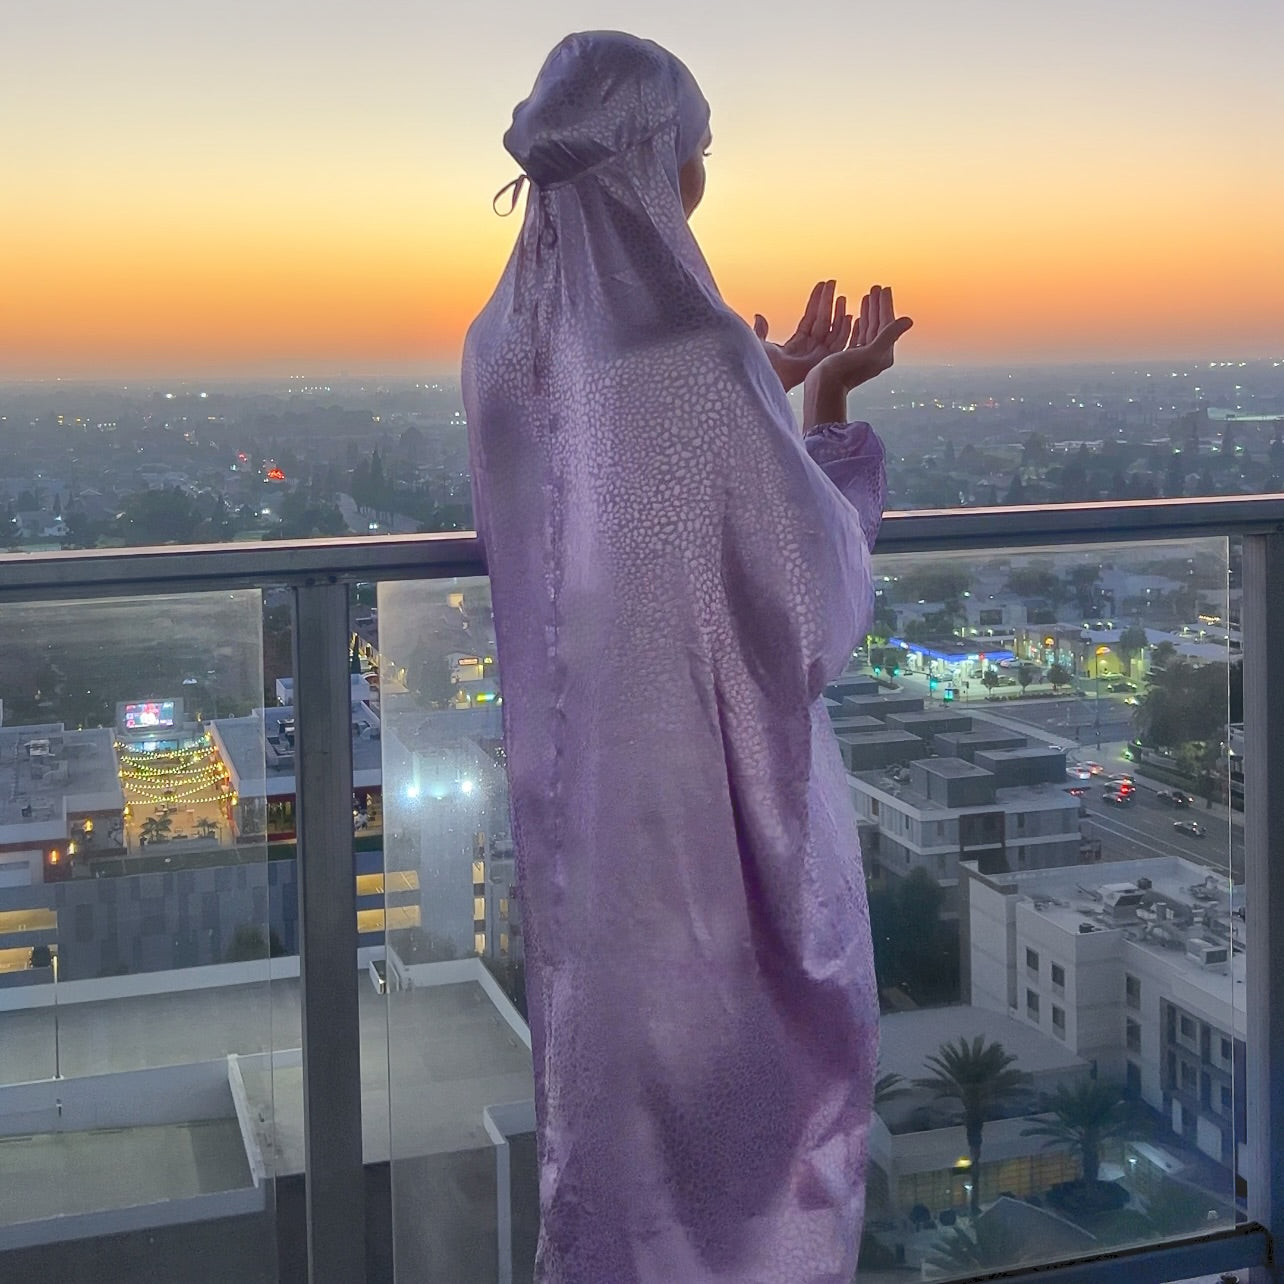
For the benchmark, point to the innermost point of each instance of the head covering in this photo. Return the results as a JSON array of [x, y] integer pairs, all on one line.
[[674, 581], [602, 137]]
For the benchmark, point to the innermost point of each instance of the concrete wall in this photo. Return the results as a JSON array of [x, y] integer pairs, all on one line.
[[130, 1099]]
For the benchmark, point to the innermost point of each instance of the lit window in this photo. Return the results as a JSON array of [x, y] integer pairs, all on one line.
[[479, 942], [479, 909]]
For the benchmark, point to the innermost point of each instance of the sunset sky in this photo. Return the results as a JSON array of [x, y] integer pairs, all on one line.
[[235, 187]]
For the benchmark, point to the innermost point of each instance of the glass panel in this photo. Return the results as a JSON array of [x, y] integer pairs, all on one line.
[[139, 917], [461, 1110], [1039, 753]]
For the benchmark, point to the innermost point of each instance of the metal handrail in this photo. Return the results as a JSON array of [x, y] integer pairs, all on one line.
[[124, 572]]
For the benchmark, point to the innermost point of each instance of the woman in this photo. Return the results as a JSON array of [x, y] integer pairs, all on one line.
[[676, 575]]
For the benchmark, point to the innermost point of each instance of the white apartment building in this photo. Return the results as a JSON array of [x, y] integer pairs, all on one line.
[[1136, 966]]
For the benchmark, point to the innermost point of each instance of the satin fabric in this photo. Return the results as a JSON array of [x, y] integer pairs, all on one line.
[[676, 575]]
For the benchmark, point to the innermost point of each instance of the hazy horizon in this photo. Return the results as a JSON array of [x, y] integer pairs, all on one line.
[[255, 191]]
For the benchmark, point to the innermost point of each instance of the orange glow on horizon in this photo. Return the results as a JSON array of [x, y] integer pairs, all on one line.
[[1036, 185]]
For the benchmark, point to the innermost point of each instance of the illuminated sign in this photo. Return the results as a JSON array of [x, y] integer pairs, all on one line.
[[148, 715]]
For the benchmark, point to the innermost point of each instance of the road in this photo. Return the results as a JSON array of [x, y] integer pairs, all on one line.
[[1144, 827]]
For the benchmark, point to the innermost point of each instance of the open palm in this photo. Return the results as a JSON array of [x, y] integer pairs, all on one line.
[[871, 348], [825, 328]]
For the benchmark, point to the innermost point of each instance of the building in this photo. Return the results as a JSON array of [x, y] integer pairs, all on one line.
[[936, 788], [1138, 969]]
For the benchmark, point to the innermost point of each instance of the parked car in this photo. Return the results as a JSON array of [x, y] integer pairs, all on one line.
[[1191, 827], [1123, 686]]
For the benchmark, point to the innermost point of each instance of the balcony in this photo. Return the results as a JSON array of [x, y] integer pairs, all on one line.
[[260, 964]]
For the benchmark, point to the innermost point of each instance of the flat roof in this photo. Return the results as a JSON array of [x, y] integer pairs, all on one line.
[[907, 1039], [1068, 896], [67, 1173], [53, 770], [452, 1054], [262, 768]]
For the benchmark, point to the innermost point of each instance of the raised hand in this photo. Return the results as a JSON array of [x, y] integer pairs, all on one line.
[[872, 348], [870, 351], [825, 328]]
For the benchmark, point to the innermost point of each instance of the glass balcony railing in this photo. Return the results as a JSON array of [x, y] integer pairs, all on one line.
[[261, 951]]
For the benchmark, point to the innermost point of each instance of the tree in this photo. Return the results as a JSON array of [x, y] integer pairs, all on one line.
[[887, 1087], [248, 943], [1035, 581], [163, 516], [206, 827], [1025, 675], [979, 1076], [1131, 641], [155, 828], [990, 680], [1059, 676], [1085, 1116]]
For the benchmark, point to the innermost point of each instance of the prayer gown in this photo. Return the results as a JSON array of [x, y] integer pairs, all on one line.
[[676, 575]]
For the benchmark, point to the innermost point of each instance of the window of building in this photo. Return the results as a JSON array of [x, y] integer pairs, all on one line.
[[1189, 1077], [479, 942], [1132, 991], [873, 806], [1226, 1050], [479, 909], [1132, 1079], [1133, 1036], [1058, 976], [479, 872], [1059, 1020], [1032, 1005], [503, 906], [1032, 959], [1187, 1028], [1228, 1098], [1021, 822]]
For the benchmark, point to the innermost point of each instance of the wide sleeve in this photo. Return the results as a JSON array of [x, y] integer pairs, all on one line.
[[851, 456]]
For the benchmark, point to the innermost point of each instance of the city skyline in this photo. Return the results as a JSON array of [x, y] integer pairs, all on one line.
[[1037, 186]]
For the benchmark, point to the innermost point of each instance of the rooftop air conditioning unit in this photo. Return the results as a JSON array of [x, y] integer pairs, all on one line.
[[1206, 953]]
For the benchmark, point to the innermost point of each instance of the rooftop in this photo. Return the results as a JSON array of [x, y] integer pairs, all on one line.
[[47, 771]]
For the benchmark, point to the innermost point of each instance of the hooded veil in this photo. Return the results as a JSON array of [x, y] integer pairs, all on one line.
[[675, 575]]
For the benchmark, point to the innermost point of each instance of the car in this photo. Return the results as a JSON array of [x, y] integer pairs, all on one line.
[[1095, 768], [1174, 798], [1123, 778], [1077, 790], [189, 682], [1191, 827], [1120, 800], [1078, 773], [1123, 686]]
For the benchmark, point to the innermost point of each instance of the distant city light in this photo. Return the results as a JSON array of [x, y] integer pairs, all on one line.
[[466, 786], [412, 792]]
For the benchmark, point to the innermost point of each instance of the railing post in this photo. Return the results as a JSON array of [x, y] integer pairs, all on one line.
[[335, 1179], [1262, 625]]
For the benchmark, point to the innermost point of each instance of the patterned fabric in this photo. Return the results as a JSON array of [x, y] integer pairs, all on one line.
[[676, 575]]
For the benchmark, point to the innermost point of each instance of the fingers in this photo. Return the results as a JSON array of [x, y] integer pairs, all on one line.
[[886, 314], [760, 326], [821, 320], [842, 334], [864, 329]]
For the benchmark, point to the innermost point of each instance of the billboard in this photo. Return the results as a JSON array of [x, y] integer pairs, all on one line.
[[148, 715]]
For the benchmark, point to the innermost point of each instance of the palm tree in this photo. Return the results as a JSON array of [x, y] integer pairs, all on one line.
[[206, 827], [887, 1087], [979, 1077], [154, 827], [1085, 1115]]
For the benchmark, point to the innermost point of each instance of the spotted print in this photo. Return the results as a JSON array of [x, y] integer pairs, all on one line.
[[676, 575]]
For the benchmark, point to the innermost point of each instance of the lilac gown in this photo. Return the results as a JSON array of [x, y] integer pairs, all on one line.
[[675, 578]]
